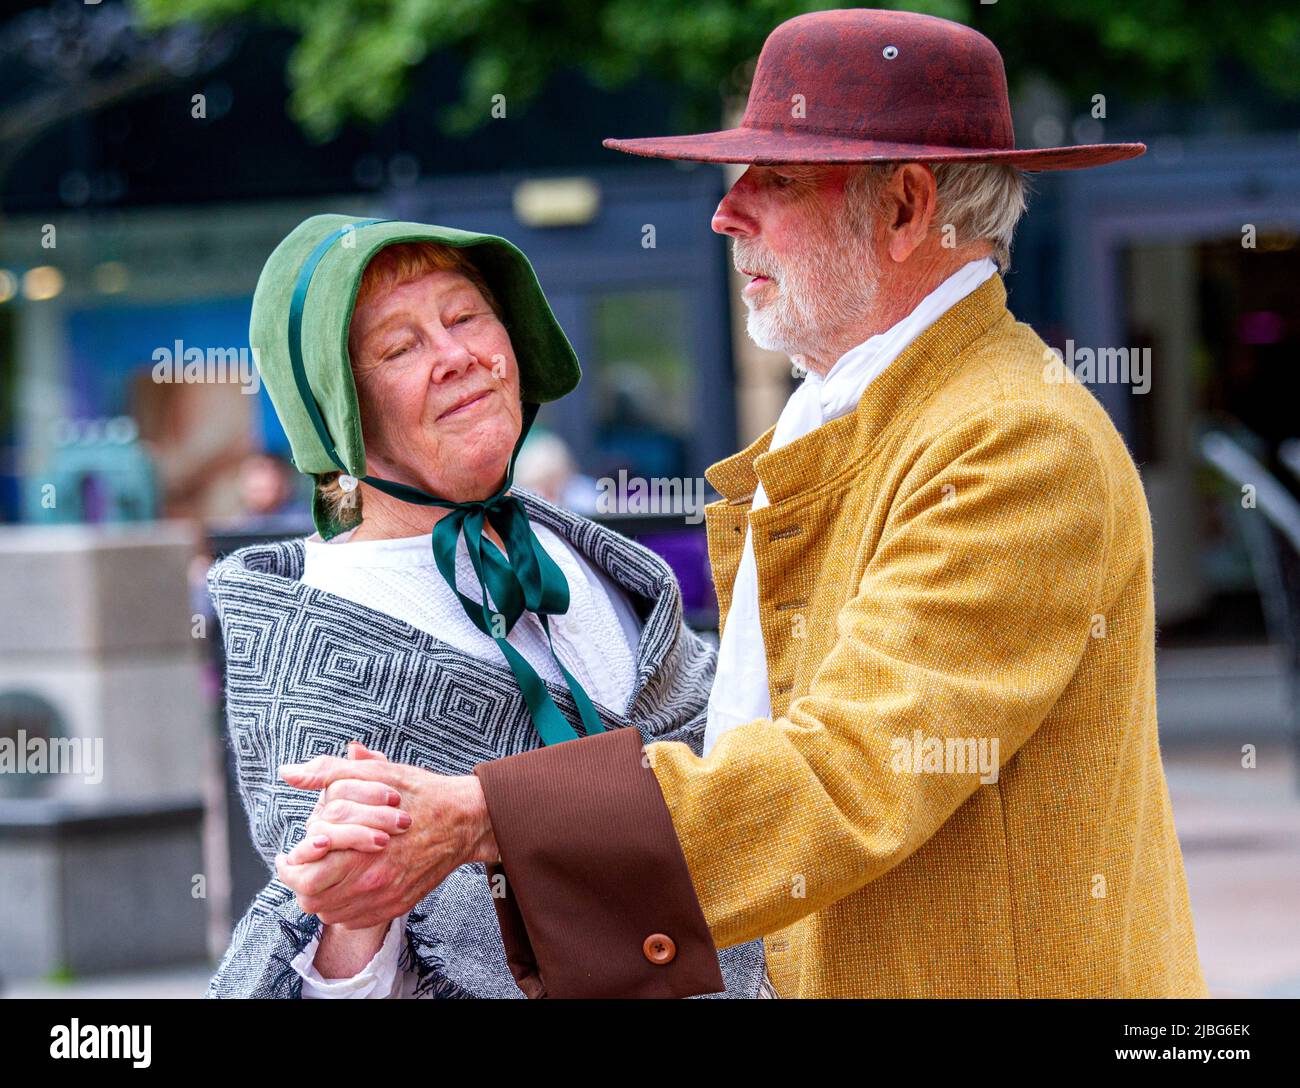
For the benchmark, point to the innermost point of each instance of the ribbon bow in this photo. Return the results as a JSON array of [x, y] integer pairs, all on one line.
[[523, 579]]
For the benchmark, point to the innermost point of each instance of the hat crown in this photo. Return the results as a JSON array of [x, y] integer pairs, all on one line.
[[889, 76]]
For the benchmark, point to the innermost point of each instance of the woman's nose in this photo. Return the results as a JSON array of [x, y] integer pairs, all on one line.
[[451, 357]]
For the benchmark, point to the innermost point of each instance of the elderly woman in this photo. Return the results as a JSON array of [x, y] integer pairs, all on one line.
[[438, 618]]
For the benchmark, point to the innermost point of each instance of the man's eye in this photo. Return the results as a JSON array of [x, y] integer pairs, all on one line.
[[781, 181]]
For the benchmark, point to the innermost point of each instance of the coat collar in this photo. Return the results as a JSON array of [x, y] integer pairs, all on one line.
[[819, 455]]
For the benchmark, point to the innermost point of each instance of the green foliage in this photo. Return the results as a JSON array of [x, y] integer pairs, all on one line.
[[354, 58]]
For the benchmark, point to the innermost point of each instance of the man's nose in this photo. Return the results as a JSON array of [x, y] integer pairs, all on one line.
[[734, 216]]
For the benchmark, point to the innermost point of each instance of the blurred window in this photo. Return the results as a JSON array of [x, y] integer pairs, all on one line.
[[25, 718], [644, 382]]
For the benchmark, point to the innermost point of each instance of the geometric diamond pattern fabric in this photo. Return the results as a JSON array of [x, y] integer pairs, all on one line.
[[307, 671]]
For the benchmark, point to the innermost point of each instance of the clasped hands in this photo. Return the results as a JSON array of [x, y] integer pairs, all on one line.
[[382, 835]]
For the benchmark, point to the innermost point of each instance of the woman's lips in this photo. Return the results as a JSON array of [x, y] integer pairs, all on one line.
[[470, 405]]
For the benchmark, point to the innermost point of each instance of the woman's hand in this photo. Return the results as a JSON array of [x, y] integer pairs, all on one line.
[[352, 814], [343, 953], [451, 827]]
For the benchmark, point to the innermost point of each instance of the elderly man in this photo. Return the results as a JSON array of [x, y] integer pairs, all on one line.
[[931, 765]]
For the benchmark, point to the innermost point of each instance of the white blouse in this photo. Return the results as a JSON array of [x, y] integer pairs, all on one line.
[[596, 639]]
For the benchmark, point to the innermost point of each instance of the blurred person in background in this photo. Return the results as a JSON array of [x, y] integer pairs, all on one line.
[[267, 486], [546, 467], [199, 436]]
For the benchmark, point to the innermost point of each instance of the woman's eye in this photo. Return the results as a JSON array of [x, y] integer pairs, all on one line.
[[393, 353], [463, 318]]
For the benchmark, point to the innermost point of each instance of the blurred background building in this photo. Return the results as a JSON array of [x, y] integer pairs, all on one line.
[[153, 153]]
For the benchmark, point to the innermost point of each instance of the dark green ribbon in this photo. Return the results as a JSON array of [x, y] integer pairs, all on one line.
[[523, 579]]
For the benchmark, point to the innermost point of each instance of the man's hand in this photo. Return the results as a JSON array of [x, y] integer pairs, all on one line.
[[449, 827], [352, 814]]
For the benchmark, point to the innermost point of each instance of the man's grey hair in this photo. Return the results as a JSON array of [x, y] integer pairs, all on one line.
[[979, 201]]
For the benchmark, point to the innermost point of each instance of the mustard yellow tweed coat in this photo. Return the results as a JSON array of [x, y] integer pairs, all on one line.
[[967, 555]]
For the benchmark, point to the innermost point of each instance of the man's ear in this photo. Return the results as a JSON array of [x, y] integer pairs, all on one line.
[[909, 203]]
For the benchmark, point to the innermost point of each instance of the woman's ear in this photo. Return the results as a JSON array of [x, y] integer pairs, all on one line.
[[342, 507]]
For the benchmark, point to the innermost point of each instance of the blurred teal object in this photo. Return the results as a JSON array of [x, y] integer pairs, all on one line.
[[99, 471]]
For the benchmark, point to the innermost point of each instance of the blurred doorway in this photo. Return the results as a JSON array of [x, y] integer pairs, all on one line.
[[639, 285], [1193, 251]]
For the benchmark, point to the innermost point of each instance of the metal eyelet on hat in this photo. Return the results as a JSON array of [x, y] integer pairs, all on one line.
[[889, 52]]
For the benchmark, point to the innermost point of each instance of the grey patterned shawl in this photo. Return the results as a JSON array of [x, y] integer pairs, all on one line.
[[307, 671]]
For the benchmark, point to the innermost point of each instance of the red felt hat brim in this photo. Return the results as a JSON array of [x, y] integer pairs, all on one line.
[[771, 147]]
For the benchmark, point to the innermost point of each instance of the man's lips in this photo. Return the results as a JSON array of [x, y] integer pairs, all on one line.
[[756, 283], [467, 403]]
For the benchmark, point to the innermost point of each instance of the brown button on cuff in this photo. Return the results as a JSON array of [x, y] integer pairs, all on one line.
[[659, 949]]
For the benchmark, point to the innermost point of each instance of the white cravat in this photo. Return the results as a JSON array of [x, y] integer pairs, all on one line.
[[740, 691]]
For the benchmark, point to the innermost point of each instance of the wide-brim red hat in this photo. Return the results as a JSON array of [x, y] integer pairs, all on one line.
[[875, 86]]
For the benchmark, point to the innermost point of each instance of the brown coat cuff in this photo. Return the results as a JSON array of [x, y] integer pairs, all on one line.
[[595, 879]]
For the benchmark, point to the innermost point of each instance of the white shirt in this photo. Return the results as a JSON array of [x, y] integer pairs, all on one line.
[[596, 639], [740, 691]]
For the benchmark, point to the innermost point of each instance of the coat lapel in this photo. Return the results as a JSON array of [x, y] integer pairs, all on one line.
[[837, 448]]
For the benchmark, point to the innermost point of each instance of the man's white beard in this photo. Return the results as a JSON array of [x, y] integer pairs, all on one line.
[[828, 289]]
